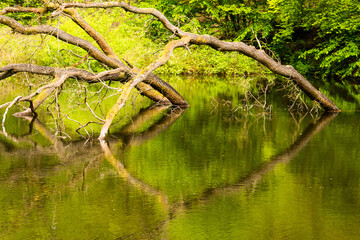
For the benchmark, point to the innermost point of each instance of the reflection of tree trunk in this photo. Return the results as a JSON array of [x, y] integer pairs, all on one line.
[[123, 173], [39, 126], [287, 155], [176, 209], [154, 130], [8, 142], [179, 208], [144, 116], [130, 138], [76, 147]]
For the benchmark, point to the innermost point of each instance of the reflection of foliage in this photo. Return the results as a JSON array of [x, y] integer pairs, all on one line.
[[77, 185]]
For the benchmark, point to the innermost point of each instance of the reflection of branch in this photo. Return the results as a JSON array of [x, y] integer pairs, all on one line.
[[125, 174], [129, 140], [8, 142], [287, 155], [128, 136], [177, 209], [40, 127], [144, 116]]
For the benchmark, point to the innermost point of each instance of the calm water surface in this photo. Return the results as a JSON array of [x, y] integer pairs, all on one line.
[[207, 172]]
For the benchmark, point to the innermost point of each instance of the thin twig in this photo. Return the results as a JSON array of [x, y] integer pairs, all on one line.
[[256, 38], [6, 111], [93, 113]]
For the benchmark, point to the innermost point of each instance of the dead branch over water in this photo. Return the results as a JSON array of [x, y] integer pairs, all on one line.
[[143, 79]]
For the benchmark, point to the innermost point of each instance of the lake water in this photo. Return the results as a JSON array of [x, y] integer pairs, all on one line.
[[219, 169]]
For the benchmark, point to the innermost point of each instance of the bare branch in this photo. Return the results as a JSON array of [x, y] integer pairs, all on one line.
[[92, 111], [158, 90], [75, 16], [118, 74], [258, 42], [250, 51], [138, 79], [63, 36], [57, 83], [6, 111], [23, 9], [129, 8], [135, 77]]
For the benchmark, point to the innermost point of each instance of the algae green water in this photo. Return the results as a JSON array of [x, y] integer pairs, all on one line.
[[207, 172]]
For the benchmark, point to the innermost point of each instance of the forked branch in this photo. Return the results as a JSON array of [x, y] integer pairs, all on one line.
[[153, 87], [138, 79]]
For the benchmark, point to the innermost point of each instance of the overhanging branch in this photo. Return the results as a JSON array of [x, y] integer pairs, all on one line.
[[250, 51], [141, 76], [121, 72], [153, 87]]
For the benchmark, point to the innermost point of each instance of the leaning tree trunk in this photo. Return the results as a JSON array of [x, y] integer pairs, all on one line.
[[143, 79]]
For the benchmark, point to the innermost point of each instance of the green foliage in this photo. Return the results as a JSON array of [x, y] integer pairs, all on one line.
[[325, 33], [229, 19], [22, 3], [318, 37]]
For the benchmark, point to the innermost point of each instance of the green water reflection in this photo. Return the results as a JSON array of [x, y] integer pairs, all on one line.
[[207, 172]]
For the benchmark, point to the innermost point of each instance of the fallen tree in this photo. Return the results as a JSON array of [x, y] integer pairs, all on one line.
[[144, 79]]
